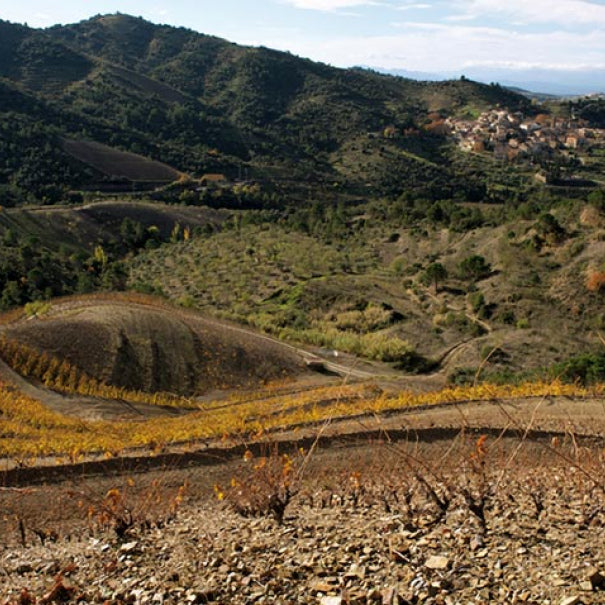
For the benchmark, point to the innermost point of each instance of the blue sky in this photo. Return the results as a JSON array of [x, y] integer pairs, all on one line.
[[421, 35]]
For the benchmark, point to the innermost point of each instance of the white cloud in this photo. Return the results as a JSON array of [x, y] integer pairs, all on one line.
[[330, 5], [408, 7], [561, 12], [446, 47], [42, 18]]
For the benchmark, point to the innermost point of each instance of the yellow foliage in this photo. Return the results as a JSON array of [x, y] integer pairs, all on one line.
[[29, 430], [60, 375]]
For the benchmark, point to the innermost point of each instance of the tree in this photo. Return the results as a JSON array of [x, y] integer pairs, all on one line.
[[12, 295], [474, 267], [550, 229], [435, 274]]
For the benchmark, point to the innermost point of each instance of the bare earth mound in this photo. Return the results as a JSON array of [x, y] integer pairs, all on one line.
[[156, 349], [116, 163]]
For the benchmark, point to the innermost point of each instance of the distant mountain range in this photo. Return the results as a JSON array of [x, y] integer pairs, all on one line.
[[559, 82]]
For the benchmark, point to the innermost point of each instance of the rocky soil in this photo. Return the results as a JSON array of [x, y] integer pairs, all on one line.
[[439, 525]]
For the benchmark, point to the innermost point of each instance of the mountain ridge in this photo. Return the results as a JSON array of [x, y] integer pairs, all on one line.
[[557, 82], [202, 104]]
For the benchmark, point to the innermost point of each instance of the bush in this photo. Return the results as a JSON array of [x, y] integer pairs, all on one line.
[[462, 376], [37, 308], [186, 301], [370, 319], [597, 199], [549, 228], [373, 346], [474, 267], [266, 484], [585, 369], [477, 301], [414, 363], [596, 281], [128, 510]]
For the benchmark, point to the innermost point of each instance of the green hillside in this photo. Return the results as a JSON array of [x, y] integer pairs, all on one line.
[[200, 105], [325, 206]]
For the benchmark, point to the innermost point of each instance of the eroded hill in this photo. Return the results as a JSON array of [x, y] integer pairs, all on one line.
[[141, 347]]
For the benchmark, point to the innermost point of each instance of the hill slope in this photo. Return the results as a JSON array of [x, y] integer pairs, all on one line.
[[201, 104], [120, 164], [153, 348]]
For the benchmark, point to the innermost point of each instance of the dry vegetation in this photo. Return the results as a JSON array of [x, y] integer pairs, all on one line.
[[140, 345], [43, 407], [538, 302], [30, 431], [473, 519], [333, 494]]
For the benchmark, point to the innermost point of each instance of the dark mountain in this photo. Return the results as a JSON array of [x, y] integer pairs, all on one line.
[[557, 82], [201, 104]]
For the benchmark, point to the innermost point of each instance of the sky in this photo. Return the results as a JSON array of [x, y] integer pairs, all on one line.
[[413, 35]]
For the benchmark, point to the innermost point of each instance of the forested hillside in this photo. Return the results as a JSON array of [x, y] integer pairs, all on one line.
[[203, 105], [404, 221]]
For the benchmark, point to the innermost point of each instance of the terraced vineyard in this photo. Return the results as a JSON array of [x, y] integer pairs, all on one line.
[[30, 431]]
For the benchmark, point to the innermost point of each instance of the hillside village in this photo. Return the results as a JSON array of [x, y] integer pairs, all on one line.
[[512, 136]]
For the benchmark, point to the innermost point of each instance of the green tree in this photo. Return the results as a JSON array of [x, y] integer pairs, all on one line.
[[549, 228], [434, 274], [12, 295], [474, 267]]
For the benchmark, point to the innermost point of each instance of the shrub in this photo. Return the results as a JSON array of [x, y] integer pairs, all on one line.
[[507, 317], [187, 301], [398, 266], [462, 376], [549, 228], [37, 308], [373, 346], [596, 281], [597, 199], [414, 363], [129, 509], [586, 369], [370, 319], [474, 267], [477, 301], [267, 483]]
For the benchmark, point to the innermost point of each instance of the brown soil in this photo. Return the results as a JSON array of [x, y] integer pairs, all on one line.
[[116, 163], [156, 349], [350, 535]]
